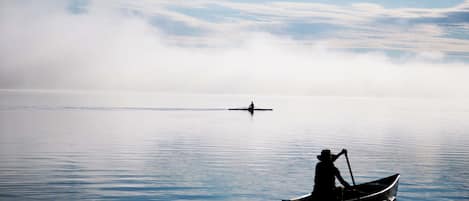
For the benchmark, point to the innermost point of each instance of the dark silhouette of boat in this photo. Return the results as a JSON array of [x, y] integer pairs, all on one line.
[[384, 189], [251, 109]]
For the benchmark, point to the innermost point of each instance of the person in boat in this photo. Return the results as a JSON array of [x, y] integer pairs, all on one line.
[[251, 106], [325, 175]]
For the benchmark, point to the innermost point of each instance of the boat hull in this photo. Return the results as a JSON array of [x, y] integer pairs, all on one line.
[[246, 109], [380, 190]]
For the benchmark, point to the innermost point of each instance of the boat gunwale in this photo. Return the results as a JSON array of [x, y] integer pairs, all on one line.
[[364, 197], [379, 192]]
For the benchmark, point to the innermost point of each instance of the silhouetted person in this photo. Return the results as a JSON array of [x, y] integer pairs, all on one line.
[[324, 179], [251, 106]]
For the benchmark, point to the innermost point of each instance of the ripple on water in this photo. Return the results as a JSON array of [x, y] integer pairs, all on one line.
[[125, 154]]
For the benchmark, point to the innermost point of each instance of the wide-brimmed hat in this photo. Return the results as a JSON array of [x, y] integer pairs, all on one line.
[[325, 155]]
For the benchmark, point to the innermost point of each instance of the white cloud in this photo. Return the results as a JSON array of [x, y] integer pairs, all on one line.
[[104, 50]]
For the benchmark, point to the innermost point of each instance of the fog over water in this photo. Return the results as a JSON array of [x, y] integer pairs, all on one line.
[[44, 46]]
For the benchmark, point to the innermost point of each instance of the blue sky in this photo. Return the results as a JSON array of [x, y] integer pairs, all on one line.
[[384, 3]]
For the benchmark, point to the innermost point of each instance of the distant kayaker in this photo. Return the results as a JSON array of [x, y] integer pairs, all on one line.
[[251, 106], [326, 172]]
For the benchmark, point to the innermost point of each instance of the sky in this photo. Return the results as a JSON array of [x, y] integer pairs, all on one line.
[[400, 48]]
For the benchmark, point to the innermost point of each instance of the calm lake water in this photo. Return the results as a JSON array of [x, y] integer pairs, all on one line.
[[115, 146]]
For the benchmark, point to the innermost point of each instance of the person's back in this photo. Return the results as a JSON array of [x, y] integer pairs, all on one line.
[[324, 179], [251, 106]]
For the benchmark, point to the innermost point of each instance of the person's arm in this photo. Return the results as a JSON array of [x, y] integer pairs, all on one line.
[[337, 156], [341, 179]]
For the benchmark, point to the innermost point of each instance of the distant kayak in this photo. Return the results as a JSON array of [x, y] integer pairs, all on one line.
[[255, 109], [251, 108], [380, 190]]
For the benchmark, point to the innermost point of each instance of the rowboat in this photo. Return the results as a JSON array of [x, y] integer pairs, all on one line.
[[384, 189], [255, 109]]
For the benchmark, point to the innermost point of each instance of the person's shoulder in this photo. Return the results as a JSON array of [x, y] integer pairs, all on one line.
[[335, 168], [319, 164]]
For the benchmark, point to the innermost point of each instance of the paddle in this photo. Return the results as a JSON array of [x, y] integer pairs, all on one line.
[[349, 168]]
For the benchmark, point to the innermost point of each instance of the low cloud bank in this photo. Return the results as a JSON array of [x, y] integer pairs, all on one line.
[[45, 46]]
